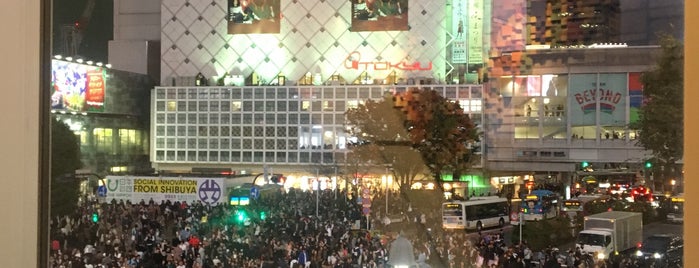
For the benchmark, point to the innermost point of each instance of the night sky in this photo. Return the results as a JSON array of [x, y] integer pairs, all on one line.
[[97, 33]]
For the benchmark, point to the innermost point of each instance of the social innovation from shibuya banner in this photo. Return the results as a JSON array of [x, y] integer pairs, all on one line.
[[158, 189]]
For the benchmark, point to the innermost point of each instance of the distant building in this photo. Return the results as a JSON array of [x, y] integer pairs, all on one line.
[[109, 112]]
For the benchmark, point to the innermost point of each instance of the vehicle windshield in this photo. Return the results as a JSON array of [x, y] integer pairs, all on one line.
[[591, 239]]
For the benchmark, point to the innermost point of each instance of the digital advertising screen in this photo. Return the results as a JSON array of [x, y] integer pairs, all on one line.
[[379, 15], [77, 87], [254, 16]]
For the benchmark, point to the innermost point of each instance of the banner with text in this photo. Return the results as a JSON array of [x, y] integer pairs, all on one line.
[[135, 189], [609, 93]]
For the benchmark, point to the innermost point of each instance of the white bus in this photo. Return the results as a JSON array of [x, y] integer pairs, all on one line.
[[476, 213]]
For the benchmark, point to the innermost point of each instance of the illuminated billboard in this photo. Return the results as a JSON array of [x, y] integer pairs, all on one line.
[[379, 15], [253, 16], [77, 87]]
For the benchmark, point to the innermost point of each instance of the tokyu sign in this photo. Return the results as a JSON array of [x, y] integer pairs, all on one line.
[[137, 189]]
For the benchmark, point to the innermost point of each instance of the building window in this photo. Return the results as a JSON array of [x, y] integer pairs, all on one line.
[[171, 106]]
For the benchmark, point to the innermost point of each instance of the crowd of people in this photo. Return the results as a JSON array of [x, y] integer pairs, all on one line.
[[279, 230]]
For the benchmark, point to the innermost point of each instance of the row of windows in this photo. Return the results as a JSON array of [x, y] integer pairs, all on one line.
[[278, 106], [307, 143], [245, 131], [325, 93], [266, 119], [248, 157]]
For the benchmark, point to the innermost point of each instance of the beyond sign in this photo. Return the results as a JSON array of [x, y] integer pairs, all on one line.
[[608, 100]]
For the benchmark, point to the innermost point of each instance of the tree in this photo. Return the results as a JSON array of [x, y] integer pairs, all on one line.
[[441, 132], [415, 132], [382, 140], [661, 120], [65, 159]]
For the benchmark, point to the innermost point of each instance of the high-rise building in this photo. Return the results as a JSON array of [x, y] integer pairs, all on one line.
[[573, 22]]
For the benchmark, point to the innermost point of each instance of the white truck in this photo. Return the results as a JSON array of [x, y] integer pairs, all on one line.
[[611, 232]]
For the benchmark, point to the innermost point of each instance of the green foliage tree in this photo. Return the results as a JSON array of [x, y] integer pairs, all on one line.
[[661, 120], [65, 159], [383, 140]]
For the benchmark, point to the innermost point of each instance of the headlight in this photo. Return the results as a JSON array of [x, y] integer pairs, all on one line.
[[639, 253], [657, 255], [600, 256]]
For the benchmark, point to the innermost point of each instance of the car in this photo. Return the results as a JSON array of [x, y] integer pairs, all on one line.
[[661, 250]]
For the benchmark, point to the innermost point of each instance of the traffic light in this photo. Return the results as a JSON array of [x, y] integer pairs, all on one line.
[[95, 217], [648, 164], [584, 164], [263, 215], [240, 216]]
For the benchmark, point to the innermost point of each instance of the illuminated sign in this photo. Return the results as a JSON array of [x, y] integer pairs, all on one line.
[[77, 87], [458, 47], [678, 199], [353, 62], [571, 203], [475, 31], [379, 15], [452, 205], [531, 197], [253, 16]]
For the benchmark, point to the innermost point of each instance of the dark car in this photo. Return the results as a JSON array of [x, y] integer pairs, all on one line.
[[661, 250]]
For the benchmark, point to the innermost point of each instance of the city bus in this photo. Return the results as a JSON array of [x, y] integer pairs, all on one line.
[[539, 205], [580, 205], [676, 209], [475, 214], [241, 195]]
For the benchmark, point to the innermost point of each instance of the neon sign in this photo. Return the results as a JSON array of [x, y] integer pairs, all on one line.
[[352, 62]]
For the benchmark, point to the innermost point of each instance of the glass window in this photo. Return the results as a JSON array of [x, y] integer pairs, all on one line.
[[171, 106], [104, 140], [235, 144]]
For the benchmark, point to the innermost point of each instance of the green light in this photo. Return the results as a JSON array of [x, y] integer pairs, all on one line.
[[585, 164], [95, 218], [240, 216], [649, 164], [263, 215]]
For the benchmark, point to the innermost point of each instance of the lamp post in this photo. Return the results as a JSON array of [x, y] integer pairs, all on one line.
[[387, 191], [317, 191]]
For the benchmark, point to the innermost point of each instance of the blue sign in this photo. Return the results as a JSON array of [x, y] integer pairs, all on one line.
[[102, 191], [254, 193]]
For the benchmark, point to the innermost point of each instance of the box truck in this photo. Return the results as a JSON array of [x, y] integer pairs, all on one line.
[[608, 233]]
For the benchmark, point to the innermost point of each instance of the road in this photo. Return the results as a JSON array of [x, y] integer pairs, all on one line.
[[649, 229]]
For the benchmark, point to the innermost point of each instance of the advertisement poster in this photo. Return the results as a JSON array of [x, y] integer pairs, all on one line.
[[459, 46], [379, 15], [475, 31], [77, 87], [609, 94], [135, 189], [635, 96], [254, 16]]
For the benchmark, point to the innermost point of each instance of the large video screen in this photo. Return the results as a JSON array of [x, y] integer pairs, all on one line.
[[253, 16], [379, 15], [77, 87]]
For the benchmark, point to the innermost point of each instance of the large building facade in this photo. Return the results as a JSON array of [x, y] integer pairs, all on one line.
[[271, 91]]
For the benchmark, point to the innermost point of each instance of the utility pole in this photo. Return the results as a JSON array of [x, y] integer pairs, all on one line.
[[317, 191]]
